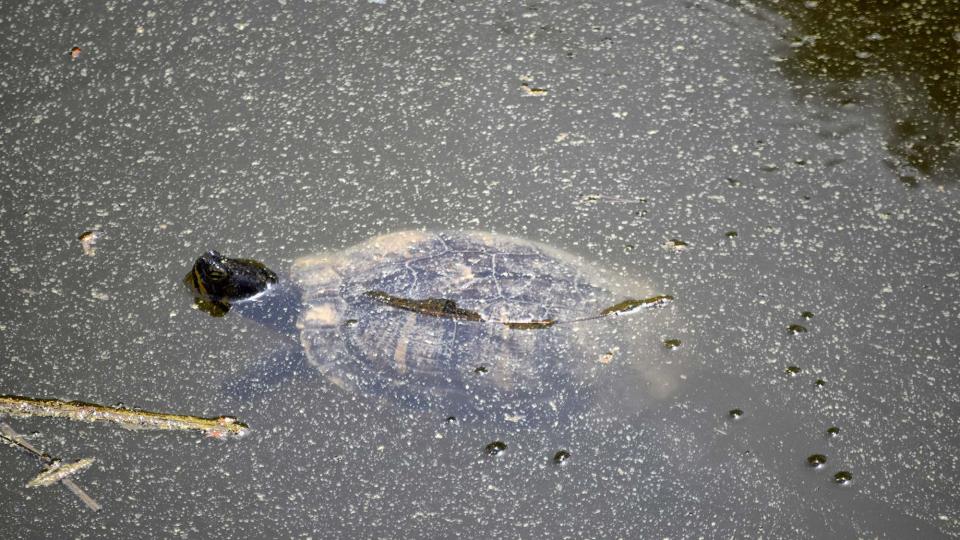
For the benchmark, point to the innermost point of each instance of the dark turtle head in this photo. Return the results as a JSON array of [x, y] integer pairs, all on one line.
[[217, 281]]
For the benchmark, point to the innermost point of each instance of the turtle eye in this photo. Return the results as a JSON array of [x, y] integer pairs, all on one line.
[[216, 274], [213, 270]]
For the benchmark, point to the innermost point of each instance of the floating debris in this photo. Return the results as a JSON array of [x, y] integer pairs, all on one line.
[[75, 53], [676, 244], [99, 295], [806, 315], [480, 370], [79, 411], [730, 234], [88, 241], [793, 370], [561, 457], [672, 343], [596, 197], [632, 305], [8, 434], [820, 383], [795, 329], [57, 472], [531, 90], [606, 357], [735, 413], [833, 431], [816, 460]]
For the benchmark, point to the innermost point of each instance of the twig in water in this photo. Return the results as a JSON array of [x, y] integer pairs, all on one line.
[[14, 438], [79, 411]]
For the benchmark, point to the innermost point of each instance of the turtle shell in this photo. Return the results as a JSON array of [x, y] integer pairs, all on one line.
[[465, 322]]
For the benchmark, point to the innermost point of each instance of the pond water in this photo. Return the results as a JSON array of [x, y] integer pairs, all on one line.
[[787, 173]]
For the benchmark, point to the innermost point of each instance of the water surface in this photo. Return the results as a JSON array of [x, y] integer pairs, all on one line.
[[610, 131]]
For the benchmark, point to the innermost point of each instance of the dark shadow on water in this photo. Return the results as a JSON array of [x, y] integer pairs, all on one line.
[[902, 57]]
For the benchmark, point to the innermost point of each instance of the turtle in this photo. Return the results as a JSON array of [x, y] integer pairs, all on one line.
[[464, 323]]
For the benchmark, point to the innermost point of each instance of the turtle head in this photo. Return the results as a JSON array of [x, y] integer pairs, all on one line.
[[216, 281]]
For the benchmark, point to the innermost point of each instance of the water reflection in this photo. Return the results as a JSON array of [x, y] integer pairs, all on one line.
[[901, 57]]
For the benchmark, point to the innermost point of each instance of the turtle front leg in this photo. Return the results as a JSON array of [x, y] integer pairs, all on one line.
[[269, 373]]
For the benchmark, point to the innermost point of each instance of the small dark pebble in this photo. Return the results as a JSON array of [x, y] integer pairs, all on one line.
[[495, 448]]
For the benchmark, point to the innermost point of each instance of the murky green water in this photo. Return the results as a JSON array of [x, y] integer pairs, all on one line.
[[774, 167]]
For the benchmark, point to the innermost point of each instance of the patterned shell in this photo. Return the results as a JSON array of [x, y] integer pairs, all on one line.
[[459, 365]]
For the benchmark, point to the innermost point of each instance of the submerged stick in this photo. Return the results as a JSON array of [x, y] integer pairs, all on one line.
[[79, 411], [7, 433], [58, 473]]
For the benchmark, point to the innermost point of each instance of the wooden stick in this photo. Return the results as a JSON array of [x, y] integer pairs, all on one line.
[[218, 427], [14, 438]]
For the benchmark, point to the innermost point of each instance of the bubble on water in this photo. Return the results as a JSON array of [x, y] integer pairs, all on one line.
[[843, 477], [561, 457], [793, 370], [735, 413], [671, 343], [495, 448], [816, 460], [795, 329]]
